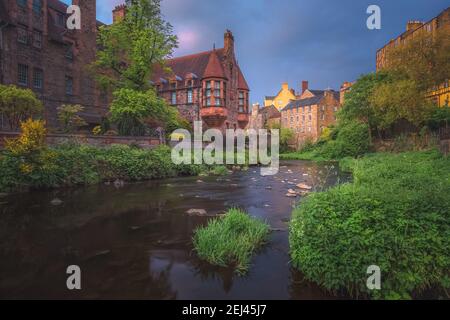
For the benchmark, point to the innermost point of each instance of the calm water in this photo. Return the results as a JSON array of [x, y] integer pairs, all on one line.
[[135, 241]]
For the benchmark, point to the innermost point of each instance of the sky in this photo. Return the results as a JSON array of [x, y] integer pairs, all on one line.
[[325, 42]]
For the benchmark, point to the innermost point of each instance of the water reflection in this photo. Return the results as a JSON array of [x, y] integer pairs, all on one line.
[[135, 241]]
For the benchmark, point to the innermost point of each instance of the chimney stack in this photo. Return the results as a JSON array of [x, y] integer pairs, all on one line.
[[413, 25], [229, 43], [304, 86], [119, 13]]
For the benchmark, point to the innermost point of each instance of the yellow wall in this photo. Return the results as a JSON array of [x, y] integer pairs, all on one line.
[[282, 98], [441, 96]]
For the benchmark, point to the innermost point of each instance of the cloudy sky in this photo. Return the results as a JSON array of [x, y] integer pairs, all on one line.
[[323, 41]]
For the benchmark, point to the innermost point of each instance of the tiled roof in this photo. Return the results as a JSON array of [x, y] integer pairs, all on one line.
[[203, 65], [181, 66], [270, 112], [242, 84], [214, 68]]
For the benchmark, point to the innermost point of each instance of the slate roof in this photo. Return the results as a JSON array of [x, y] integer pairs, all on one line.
[[318, 95], [203, 64]]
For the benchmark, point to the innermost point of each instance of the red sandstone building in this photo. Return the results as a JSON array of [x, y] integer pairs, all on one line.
[[38, 52], [207, 86]]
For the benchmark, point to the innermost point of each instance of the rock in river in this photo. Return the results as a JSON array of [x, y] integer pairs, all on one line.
[[304, 186], [196, 212]]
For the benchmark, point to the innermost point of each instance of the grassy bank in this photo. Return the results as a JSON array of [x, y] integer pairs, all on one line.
[[395, 214], [230, 240], [72, 164]]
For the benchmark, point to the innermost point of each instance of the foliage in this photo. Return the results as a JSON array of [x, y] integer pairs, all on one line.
[[286, 136], [424, 58], [350, 139], [440, 117], [219, 171], [358, 104], [69, 118], [393, 215], [97, 130], [130, 49], [17, 105], [72, 164], [231, 240], [130, 109]]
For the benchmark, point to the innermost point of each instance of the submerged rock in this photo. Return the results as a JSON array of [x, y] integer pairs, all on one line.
[[196, 212], [56, 202], [119, 183]]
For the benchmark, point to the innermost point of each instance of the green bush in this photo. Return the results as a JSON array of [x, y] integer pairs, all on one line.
[[72, 164], [395, 214], [230, 240]]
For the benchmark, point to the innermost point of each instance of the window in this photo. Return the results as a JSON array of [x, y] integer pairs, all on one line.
[[323, 108], [173, 85], [241, 101], [217, 89], [208, 84], [22, 74], [37, 37], [22, 36], [208, 101], [309, 117], [22, 3], [217, 100], [69, 52], [59, 19], [323, 116], [173, 97], [69, 85], [189, 96], [37, 6], [38, 78]]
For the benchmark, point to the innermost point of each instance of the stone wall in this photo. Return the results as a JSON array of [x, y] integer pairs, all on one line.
[[98, 141]]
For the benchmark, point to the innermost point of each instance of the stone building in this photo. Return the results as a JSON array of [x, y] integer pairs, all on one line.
[[207, 86], [38, 52], [308, 115], [263, 118], [440, 95]]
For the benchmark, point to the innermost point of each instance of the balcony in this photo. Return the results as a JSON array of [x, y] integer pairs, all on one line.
[[214, 116], [243, 119]]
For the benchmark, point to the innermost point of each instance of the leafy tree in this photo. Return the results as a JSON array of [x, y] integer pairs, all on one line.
[[358, 104], [400, 98], [286, 136], [130, 109], [130, 49], [424, 58], [17, 105], [68, 117]]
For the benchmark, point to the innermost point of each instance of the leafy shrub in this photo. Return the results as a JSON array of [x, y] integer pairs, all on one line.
[[394, 215], [286, 137], [230, 240], [72, 164], [69, 118], [17, 105]]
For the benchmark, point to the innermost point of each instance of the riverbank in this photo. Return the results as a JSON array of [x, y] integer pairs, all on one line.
[[73, 164], [393, 215]]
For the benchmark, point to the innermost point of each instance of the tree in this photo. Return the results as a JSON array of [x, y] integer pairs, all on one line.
[[358, 101], [17, 105], [131, 48], [423, 58], [68, 117], [130, 109]]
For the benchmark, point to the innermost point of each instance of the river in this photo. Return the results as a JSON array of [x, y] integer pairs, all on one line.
[[134, 241]]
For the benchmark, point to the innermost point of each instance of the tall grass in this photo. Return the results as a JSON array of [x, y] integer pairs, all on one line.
[[230, 240]]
